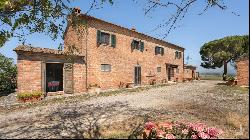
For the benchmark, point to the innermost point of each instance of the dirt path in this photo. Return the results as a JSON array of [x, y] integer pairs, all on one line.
[[203, 101]]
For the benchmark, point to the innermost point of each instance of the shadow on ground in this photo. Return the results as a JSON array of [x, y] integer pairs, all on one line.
[[78, 122]]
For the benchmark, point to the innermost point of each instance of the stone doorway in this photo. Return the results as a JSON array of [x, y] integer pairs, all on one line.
[[54, 77], [137, 76]]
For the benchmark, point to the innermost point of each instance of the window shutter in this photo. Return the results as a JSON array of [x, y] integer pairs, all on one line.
[[83, 21], [176, 54], [179, 55], [162, 51], [113, 41], [142, 46], [156, 50], [98, 37], [132, 45]]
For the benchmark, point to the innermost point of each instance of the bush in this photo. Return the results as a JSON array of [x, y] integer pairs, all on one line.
[[178, 130], [8, 72], [230, 78], [93, 86], [29, 95], [121, 85]]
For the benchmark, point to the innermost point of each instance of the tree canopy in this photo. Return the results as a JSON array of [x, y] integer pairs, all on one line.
[[219, 52], [8, 73], [19, 18]]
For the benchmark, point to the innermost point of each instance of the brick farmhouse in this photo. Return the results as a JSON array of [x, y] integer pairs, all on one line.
[[105, 55], [190, 73], [243, 71]]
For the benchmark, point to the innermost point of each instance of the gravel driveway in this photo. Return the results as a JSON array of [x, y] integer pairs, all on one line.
[[204, 101]]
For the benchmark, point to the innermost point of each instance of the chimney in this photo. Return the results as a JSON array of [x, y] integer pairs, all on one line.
[[133, 29], [77, 10]]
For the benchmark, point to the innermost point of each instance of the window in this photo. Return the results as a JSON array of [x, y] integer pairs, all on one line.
[[177, 55], [159, 50], [106, 38], [138, 45], [158, 69], [106, 67]]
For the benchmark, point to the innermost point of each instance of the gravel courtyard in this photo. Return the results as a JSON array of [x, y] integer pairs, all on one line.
[[122, 114]]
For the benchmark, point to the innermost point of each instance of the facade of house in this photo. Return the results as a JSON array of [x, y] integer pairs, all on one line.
[[243, 71], [104, 55], [190, 73]]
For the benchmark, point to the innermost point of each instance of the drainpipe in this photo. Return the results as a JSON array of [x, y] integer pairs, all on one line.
[[86, 53]]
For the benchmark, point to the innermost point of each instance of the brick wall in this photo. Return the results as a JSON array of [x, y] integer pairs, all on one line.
[[29, 74], [190, 73], [121, 58], [29, 66], [243, 72], [79, 75]]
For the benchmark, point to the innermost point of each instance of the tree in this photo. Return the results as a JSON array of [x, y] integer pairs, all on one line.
[[19, 18], [8, 74], [219, 52], [181, 8]]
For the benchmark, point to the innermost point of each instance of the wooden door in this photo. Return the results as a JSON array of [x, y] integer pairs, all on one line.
[[169, 73], [137, 75], [68, 78]]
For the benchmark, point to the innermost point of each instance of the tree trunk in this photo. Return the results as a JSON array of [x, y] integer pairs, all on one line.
[[225, 71]]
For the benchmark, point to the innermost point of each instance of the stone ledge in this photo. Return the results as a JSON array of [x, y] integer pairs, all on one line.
[[26, 48]]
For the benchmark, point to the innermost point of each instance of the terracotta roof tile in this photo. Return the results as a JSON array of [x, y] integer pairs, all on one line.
[[26, 48], [147, 36]]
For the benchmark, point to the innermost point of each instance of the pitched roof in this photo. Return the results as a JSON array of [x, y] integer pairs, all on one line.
[[189, 66], [94, 18], [26, 48]]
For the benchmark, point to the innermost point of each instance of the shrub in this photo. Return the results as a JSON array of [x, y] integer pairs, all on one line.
[[121, 85], [8, 74], [171, 130], [230, 78], [29, 95], [152, 82]]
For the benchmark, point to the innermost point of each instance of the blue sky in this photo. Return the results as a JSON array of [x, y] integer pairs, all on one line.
[[193, 31]]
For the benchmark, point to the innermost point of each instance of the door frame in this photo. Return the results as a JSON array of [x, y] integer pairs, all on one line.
[[44, 79], [135, 81], [169, 73]]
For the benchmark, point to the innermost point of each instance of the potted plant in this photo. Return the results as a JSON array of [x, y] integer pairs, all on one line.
[[29, 96], [94, 88], [230, 80]]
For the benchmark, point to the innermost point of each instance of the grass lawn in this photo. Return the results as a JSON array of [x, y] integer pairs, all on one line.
[[210, 77]]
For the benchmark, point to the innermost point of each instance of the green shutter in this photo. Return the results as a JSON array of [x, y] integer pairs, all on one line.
[[142, 46], [84, 22], [176, 54], [162, 51], [179, 55], [156, 50], [98, 37], [113, 41], [132, 45]]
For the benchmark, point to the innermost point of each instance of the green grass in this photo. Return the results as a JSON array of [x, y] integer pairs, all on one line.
[[214, 77], [233, 89]]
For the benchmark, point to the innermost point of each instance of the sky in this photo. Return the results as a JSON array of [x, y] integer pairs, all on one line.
[[192, 32]]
